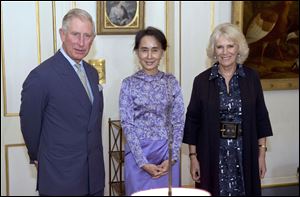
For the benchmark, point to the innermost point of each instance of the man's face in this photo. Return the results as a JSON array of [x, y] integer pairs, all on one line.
[[78, 38]]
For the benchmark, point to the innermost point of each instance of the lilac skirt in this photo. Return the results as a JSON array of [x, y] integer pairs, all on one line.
[[136, 179]]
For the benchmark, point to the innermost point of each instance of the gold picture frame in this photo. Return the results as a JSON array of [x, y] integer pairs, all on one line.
[[120, 17], [242, 17]]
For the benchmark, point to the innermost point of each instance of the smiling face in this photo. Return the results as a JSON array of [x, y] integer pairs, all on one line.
[[149, 53], [226, 52], [78, 38]]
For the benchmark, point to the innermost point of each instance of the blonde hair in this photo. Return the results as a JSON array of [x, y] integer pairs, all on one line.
[[233, 33]]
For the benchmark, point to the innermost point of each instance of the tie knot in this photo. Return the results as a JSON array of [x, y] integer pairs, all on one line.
[[78, 66]]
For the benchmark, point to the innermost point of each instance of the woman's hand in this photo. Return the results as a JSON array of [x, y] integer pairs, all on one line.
[[262, 157], [195, 169], [164, 166], [154, 170], [262, 163]]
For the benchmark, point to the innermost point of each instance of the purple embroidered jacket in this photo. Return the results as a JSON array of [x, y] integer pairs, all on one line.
[[143, 110]]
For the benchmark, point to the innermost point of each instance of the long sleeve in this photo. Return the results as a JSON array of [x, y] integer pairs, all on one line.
[[264, 128], [145, 113], [193, 117], [33, 101], [177, 117], [127, 122]]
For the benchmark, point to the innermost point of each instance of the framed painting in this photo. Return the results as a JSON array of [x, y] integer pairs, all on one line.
[[120, 17], [271, 29]]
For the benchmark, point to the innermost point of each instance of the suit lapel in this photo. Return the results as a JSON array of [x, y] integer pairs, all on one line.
[[71, 80], [95, 90]]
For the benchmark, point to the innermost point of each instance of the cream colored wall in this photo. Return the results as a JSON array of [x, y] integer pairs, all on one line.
[[3, 183], [283, 147], [189, 27]]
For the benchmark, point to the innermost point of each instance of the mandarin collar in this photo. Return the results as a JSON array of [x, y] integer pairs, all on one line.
[[146, 77]]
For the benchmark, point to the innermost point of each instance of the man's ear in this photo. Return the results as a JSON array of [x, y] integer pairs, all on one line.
[[62, 34]]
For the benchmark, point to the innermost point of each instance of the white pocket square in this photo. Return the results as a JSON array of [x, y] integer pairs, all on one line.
[[100, 87]]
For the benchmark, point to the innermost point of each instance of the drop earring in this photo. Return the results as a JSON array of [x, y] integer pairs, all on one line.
[[238, 57]]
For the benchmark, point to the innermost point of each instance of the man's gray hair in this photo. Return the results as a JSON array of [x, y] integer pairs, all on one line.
[[77, 13]]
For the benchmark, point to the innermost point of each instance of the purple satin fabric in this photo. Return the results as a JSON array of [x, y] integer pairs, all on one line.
[[136, 179]]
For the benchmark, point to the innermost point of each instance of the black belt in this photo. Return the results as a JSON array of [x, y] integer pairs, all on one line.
[[230, 130]]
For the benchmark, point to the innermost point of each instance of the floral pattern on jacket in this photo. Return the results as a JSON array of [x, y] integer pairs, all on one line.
[[144, 105]]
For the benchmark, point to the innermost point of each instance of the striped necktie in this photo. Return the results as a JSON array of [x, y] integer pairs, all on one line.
[[83, 79]]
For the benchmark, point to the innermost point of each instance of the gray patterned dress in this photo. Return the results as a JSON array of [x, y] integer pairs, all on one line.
[[231, 178]]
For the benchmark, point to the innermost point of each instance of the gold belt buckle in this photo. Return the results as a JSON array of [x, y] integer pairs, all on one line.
[[229, 131]]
